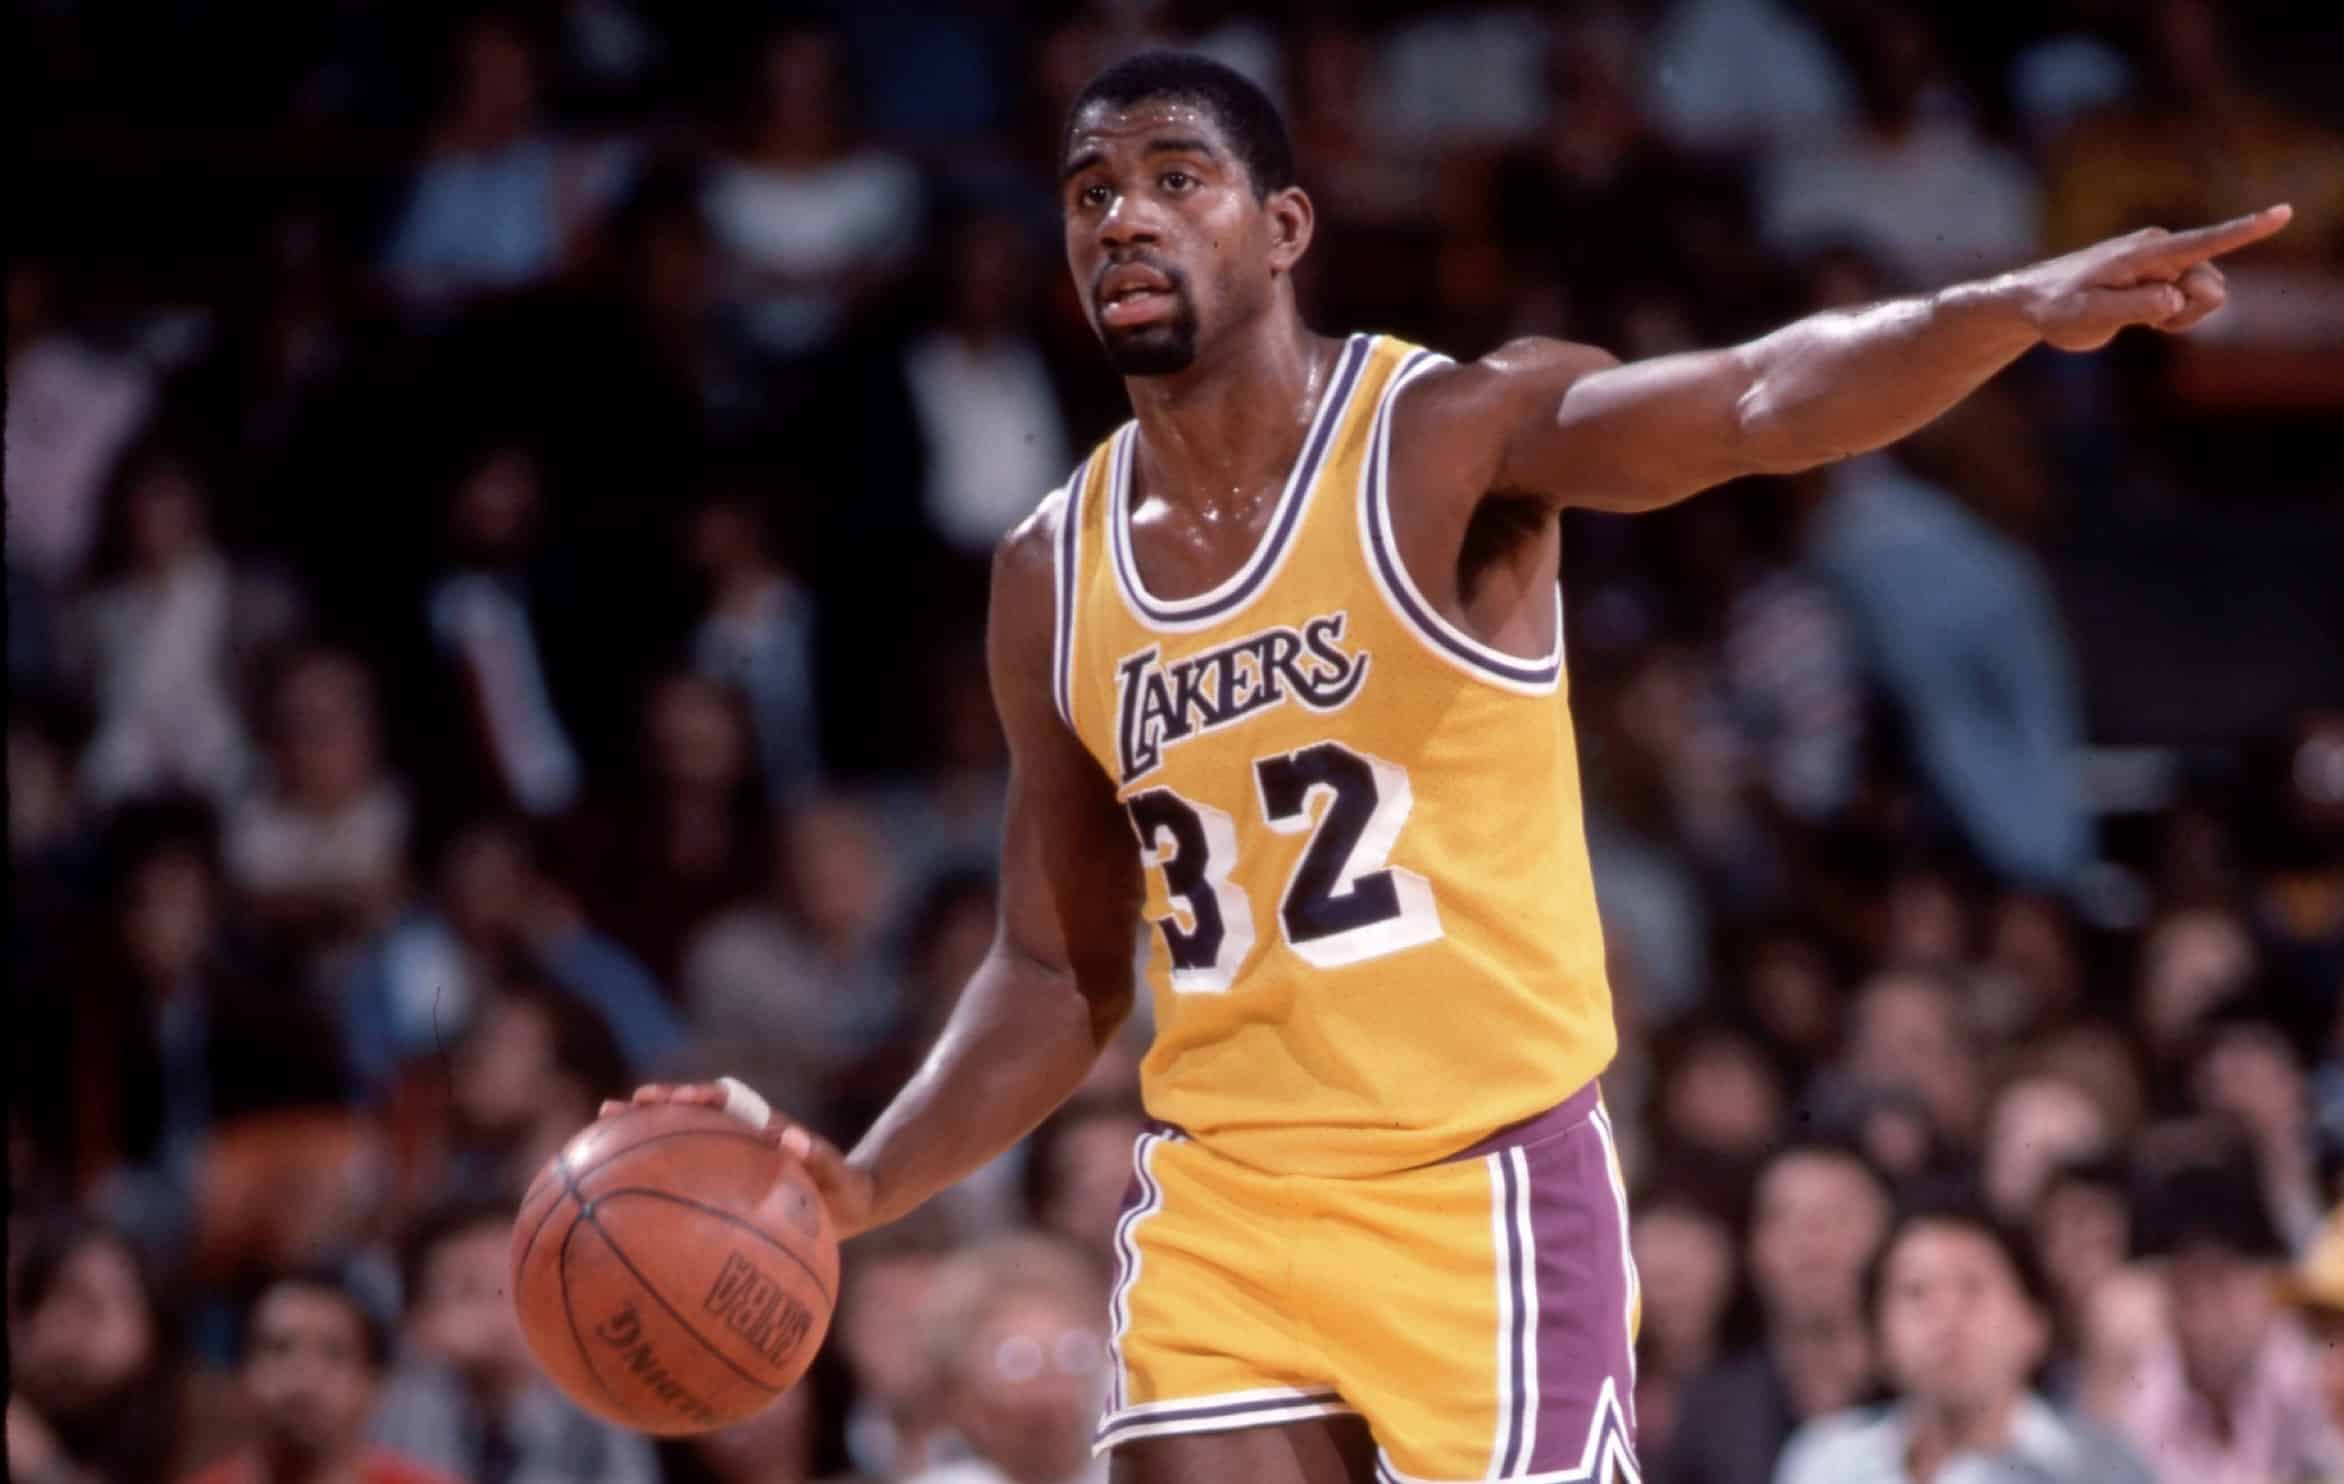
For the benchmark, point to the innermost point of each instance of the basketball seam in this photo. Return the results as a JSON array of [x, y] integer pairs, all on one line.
[[587, 1215], [560, 1167], [728, 1219], [562, 1281]]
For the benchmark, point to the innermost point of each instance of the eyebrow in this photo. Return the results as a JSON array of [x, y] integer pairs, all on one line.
[[1178, 144]]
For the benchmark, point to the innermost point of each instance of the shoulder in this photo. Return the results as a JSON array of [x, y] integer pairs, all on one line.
[[1025, 559], [1480, 400], [1838, 1446]]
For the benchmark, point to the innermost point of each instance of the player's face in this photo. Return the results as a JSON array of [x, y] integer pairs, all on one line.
[[1168, 244]]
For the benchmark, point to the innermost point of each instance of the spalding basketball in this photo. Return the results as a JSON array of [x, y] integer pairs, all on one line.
[[674, 1272]]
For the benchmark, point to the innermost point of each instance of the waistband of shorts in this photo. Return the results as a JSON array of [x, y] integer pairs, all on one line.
[[1565, 1115]]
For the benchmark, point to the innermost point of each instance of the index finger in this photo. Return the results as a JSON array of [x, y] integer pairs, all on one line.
[[2197, 245]]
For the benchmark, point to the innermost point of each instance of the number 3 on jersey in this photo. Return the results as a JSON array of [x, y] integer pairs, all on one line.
[[1342, 905]]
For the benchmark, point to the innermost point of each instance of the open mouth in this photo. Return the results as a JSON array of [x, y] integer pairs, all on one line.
[[1134, 296]]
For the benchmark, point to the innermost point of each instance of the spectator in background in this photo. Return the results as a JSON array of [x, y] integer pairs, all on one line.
[[774, 1446], [100, 1393], [757, 635], [2074, 72], [886, 1278], [418, 986], [1960, 629], [320, 850], [498, 204], [466, 1398], [315, 1350], [809, 965], [2127, 1327], [987, 412], [811, 223], [1464, 76], [161, 636], [2195, 142], [1721, 1102], [2081, 1227], [2190, 961], [74, 404], [656, 860], [1963, 1322], [527, 1075], [1741, 76], [1078, 1169], [1364, 172], [175, 1032], [1912, 179], [1017, 1363], [1687, 1273], [487, 629], [1906, 1033], [2247, 1070], [2035, 1124], [1819, 1213], [2235, 1396]]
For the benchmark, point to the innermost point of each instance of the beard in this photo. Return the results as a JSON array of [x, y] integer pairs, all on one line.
[[1159, 349]]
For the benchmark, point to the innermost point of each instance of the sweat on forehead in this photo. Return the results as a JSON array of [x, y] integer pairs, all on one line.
[[1183, 92]]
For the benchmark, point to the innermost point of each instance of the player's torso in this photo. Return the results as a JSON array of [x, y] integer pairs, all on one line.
[[1373, 934]]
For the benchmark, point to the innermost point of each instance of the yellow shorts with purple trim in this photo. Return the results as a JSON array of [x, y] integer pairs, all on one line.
[[1479, 1313]]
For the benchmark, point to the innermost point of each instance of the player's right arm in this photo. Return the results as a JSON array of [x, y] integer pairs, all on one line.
[[1058, 980]]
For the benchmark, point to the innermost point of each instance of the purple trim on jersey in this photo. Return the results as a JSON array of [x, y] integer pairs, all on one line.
[[1385, 553], [1189, 611], [1069, 570]]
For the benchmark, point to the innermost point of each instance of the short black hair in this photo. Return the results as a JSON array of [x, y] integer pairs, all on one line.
[[362, 1299], [1956, 1204], [2207, 1203], [1248, 119]]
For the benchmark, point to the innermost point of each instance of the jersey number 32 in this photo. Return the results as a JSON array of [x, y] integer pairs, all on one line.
[[1342, 905]]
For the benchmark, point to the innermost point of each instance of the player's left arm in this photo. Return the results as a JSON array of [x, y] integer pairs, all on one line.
[[1576, 427]]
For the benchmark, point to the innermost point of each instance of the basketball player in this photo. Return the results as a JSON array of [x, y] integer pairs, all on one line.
[[1282, 672]]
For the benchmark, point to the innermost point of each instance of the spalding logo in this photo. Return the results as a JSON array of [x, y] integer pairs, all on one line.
[[623, 1332], [754, 1307]]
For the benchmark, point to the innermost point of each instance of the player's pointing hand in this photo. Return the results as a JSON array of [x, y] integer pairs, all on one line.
[[2165, 280], [846, 1189]]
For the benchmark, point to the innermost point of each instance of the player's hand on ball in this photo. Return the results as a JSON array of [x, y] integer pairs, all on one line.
[[846, 1189], [2165, 280]]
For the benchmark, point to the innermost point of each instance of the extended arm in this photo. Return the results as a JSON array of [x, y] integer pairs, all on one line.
[[1576, 428]]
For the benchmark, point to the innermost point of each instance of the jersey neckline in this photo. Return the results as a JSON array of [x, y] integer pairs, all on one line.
[[1234, 592]]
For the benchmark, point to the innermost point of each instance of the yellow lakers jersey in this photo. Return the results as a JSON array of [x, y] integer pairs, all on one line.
[[1374, 937]]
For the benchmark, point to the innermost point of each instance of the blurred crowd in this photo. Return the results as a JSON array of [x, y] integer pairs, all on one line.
[[497, 517]]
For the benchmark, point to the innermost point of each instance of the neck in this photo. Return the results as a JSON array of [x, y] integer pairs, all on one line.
[[1941, 1431], [1230, 423]]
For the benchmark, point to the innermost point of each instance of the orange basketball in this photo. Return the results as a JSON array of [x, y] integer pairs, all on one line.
[[673, 1271]]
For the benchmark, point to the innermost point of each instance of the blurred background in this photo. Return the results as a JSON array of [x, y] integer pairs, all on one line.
[[497, 517]]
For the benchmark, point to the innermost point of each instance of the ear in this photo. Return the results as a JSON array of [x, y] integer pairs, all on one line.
[[1292, 219]]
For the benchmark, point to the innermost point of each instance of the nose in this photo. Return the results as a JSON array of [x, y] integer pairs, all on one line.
[[1128, 223]]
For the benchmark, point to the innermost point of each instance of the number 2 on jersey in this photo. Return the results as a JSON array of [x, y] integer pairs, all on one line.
[[1342, 905]]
